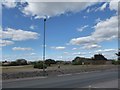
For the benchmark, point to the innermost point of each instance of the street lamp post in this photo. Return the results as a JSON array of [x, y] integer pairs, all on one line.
[[44, 39]]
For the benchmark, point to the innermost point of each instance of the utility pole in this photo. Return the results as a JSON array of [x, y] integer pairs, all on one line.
[[44, 39]]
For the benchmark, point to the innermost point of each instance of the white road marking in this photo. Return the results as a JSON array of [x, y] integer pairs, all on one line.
[[78, 73], [20, 79], [63, 75], [89, 87], [95, 71], [86, 72]]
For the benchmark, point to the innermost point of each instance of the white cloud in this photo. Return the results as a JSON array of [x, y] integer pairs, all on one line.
[[50, 9], [15, 35], [100, 8], [106, 50], [103, 7], [92, 46], [85, 17], [104, 30], [5, 42], [109, 50], [32, 27], [21, 49], [93, 9], [113, 5], [32, 53], [90, 52], [66, 53], [58, 48], [82, 40], [0, 16], [41, 9], [82, 28], [79, 53], [98, 20], [9, 3], [74, 48], [88, 10], [18, 35]]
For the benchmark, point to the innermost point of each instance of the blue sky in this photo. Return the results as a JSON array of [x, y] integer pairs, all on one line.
[[72, 29]]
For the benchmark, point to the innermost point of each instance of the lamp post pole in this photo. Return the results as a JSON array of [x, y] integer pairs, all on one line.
[[44, 39]]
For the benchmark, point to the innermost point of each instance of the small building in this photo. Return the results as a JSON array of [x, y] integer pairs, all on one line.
[[82, 60], [99, 59], [5, 63]]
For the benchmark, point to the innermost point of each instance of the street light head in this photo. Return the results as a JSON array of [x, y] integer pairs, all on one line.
[[45, 19]]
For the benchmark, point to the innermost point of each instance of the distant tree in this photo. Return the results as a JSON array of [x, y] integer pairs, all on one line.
[[119, 62], [59, 62], [13, 63], [50, 61], [40, 61], [40, 65], [21, 62], [99, 57], [67, 62], [116, 62], [77, 61], [32, 62]]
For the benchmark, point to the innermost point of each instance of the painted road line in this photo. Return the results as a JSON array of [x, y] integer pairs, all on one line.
[[95, 71], [20, 79], [64, 75], [78, 73], [85, 72]]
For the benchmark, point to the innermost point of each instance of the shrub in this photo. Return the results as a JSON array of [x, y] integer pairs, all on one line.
[[67, 63], [48, 62], [18, 62], [40, 65], [116, 62], [76, 63], [21, 62], [14, 63]]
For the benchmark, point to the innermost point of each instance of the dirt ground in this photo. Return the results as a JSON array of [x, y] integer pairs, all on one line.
[[7, 69]]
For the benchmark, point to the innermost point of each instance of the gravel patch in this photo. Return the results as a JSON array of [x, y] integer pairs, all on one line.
[[24, 74]]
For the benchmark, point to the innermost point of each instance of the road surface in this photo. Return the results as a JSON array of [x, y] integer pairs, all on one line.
[[94, 79]]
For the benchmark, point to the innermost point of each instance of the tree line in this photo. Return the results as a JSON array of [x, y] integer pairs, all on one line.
[[48, 62]]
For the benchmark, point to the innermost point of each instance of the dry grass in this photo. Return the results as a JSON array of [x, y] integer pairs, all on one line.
[[52, 67], [17, 68]]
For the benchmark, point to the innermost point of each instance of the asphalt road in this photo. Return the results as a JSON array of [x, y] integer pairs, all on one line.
[[93, 79]]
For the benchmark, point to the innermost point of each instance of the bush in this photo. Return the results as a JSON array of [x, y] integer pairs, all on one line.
[[14, 63], [18, 62], [76, 63], [116, 62], [40, 65], [21, 62], [48, 62], [67, 63], [59, 62]]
